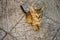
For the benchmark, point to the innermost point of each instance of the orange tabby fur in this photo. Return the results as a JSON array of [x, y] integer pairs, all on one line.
[[34, 18]]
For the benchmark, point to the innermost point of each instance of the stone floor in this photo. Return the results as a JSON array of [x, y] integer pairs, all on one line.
[[13, 26]]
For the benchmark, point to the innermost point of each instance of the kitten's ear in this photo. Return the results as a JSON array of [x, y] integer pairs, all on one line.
[[21, 6], [22, 9], [40, 10]]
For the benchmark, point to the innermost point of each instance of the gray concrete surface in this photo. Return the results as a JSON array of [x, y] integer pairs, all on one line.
[[14, 27]]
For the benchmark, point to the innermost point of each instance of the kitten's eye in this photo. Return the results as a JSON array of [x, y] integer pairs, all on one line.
[[37, 15]]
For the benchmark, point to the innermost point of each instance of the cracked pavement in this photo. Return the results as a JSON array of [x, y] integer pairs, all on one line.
[[14, 27]]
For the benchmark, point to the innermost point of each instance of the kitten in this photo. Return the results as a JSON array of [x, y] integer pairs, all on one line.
[[33, 17]]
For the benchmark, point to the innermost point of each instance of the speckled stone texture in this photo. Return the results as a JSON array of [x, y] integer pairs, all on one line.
[[14, 27]]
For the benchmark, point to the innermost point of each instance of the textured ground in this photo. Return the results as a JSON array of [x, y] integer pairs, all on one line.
[[13, 26]]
